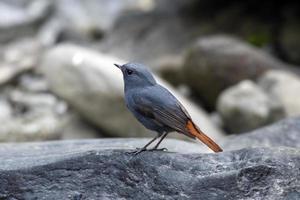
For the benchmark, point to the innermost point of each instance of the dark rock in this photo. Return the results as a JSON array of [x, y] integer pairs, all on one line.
[[86, 170], [285, 133], [290, 41], [217, 62]]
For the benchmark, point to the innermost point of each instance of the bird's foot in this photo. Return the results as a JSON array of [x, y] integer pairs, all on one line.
[[156, 149], [140, 150], [137, 151]]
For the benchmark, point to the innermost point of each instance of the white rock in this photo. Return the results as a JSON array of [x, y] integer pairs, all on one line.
[[245, 106], [93, 86], [285, 87]]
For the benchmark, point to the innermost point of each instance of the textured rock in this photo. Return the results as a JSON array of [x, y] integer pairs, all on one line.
[[245, 106], [217, 62], [284, 87], [85, 170], [90, 83], [285, 133]]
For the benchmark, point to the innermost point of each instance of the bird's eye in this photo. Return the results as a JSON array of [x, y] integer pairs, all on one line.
[[129, 72]]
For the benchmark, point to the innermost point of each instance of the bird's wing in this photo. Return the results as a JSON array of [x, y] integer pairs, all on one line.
[[168, 112], [163, 108]]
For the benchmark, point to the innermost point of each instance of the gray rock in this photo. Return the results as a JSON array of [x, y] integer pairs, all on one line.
[[88, 170], [285, 133], [50, 32], [94, 15], [18, 57], [5, 109], [31, 117], [85, 21], [150, 36], [90, 83], [33, 83], [22, 19], [285, 87], [246, 106], [76, 128], [170, 68], [9, 72], [214, 63]]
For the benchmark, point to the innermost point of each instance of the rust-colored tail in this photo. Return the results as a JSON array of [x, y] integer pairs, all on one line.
[[195, 131]]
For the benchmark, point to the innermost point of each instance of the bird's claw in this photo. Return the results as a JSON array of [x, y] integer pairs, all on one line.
[[140, 150], [155, 149], [137, 151]]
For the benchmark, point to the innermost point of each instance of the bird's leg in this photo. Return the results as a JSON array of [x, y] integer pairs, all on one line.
[[145, 147], [161, 139]]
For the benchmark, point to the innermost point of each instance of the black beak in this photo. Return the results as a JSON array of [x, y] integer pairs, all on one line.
[[118, 66]]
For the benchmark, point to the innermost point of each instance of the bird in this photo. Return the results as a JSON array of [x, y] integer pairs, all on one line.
[[157, 108]]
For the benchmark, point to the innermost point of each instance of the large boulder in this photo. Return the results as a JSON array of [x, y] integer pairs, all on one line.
[[216, 62], [91, 84], [284, 87], [94, 170], [246, 106]]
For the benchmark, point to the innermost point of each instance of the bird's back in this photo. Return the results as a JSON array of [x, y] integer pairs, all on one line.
[[157, 109]]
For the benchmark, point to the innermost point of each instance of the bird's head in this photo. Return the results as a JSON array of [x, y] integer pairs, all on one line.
[[136, 75]]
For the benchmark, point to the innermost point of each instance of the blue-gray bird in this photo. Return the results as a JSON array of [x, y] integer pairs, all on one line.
[[156, 108]]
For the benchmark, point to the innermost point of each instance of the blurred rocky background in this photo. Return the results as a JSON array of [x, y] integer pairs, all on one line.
[[235, 65]]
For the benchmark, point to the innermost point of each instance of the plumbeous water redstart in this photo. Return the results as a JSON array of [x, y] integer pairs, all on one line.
[[156, 108]]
